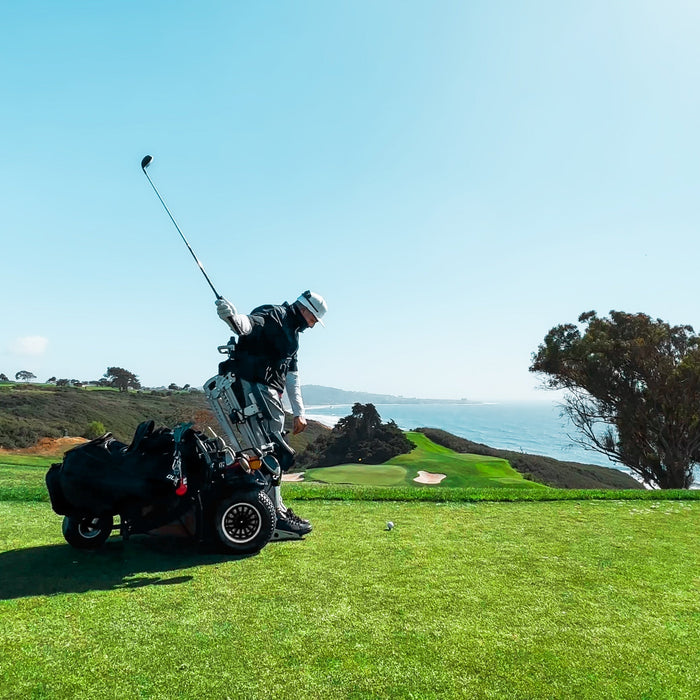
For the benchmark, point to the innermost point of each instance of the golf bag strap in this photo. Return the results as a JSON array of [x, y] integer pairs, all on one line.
[[143, 430]]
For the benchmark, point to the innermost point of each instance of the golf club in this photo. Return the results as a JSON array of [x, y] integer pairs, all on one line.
[[145, 162]]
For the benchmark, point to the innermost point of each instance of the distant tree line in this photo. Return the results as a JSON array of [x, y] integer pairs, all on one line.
[[116, 377]]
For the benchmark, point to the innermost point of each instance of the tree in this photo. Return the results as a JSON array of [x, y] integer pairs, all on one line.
[[633, 391], [24, 376], [359, 437], [94, 430], [51, 380], [3, 378], [362, 423], [122, 379]]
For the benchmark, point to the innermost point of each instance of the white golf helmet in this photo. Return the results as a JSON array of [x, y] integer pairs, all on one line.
[[315, 303]]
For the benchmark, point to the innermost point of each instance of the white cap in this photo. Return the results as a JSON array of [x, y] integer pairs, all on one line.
[[315, 303]]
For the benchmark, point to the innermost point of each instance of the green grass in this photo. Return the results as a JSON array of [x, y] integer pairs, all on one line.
[[491, 600], [359, 474], [22, 478], [461, 470], [15, 460], [347, 492]]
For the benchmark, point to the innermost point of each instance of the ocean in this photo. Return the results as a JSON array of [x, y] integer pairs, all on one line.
[[535, 427]]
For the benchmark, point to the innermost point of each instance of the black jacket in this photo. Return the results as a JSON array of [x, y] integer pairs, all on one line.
[[269, 351]]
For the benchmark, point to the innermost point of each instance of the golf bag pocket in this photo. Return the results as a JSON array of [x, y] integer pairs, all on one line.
[[53, 484]]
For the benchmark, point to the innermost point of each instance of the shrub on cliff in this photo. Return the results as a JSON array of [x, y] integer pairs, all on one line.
[[359, 437]]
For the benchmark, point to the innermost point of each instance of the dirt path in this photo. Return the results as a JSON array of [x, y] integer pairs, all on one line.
[[47, 447]]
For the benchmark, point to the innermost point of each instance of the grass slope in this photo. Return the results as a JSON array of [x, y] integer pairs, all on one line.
[[556, 600], [27, 414], [461, 470], [544, 470]]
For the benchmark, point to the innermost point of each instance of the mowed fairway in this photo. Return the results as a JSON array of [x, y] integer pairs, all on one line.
[[461, 470], [21, 475], [591, 599]]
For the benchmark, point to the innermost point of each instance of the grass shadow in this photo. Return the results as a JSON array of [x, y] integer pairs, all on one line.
[[142, 561]]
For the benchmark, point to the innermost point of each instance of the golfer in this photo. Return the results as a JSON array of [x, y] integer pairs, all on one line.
[[266, 356]]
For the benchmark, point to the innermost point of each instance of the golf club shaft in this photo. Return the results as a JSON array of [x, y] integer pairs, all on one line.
[[165, 206]]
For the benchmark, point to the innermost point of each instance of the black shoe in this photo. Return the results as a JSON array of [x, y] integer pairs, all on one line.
[[290, 528], [293, 516]]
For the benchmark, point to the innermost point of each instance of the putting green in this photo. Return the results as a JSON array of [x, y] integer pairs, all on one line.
[[461, 470], [360, 474]]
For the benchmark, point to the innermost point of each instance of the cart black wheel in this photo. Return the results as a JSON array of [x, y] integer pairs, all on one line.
[[245, 523], [87, 533]]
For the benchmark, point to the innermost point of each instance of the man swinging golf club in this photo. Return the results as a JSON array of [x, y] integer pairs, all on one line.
[[266, 363], [265, 358]]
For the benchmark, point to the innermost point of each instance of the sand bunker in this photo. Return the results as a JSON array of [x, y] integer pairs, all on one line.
[[429, 478], [293, 477]]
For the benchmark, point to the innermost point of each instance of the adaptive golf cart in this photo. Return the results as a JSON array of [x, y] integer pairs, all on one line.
[[217, 490]]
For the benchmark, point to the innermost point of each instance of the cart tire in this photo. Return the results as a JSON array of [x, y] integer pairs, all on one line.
[[245, 523], [88, 532]]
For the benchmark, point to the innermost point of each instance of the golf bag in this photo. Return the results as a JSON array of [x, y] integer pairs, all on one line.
[[105, 476]]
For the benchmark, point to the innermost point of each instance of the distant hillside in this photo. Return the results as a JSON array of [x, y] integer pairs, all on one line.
[[315, 395], [29, 412]]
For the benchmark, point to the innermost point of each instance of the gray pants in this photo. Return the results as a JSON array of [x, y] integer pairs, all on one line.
[[269, 403]]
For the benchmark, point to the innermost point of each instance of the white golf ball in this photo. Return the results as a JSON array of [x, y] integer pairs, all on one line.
[[389, 525]]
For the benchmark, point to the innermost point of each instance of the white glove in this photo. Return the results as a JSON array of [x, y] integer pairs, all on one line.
[[225, 309]]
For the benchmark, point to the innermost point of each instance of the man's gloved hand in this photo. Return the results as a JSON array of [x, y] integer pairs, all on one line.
[[299, 425], [225, 309]]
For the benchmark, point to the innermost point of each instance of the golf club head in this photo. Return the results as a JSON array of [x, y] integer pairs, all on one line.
[[147, 160]]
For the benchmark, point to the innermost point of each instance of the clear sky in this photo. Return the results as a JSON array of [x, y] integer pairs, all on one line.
[[454, 177]]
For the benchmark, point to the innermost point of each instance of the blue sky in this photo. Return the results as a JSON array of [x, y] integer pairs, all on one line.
[[454, 177]]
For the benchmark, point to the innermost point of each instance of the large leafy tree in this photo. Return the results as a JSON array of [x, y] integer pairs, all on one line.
[[24, 375], [122, 379], [633, 391]]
